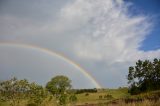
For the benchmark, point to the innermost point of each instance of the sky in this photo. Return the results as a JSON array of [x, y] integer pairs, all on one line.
[[104, 37]]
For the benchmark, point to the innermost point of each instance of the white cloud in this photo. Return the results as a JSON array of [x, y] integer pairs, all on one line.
[[101, 35], [111, 33]]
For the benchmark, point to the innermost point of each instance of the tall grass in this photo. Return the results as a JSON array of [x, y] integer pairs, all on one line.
[[143, 103]]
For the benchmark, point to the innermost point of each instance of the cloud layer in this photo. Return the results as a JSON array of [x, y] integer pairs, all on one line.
[[101, 35], [112, 33]]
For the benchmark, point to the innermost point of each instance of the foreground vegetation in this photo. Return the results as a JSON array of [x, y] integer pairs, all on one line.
[[16, 92], [144, 90], [103, 97]]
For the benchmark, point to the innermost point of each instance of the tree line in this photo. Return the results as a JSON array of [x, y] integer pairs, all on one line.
[[79, 91]]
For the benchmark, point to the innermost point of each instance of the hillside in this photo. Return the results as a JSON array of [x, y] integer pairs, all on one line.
[[103, 95], [119, 97]]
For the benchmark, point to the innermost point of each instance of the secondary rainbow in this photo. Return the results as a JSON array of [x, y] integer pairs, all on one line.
[[53, 53]]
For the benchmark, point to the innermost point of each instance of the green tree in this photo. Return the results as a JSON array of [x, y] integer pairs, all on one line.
[[13, 90], [37, 94], [145, 76], [59, 87]]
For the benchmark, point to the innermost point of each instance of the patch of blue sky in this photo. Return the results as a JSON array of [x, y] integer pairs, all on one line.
[[150, 8]]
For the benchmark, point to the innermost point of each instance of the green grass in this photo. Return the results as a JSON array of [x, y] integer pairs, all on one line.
[[119, 95], [4, 104], [94, 97]]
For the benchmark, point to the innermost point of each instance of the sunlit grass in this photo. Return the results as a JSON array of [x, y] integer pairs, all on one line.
[[93, 98]]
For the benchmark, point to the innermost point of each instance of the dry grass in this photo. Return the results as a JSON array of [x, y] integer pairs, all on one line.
[[119, 96], [144, 103]]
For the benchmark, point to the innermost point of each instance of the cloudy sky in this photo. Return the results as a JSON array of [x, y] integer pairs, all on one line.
[[104, 37]]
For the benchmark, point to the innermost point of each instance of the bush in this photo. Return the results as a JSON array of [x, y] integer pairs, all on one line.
[[100, 97], [87, 94], [134, 90], [108, 96], [32, 104], [73, 99]]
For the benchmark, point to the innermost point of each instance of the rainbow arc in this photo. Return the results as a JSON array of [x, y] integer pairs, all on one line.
[[53, 53]]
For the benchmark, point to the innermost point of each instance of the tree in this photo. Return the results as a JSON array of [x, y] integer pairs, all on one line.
[[13, 90], [59, 87], [145, 76], [36, 94]]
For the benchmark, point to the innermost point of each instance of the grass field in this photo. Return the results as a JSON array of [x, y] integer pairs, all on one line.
[[118, 95], [94, 97]]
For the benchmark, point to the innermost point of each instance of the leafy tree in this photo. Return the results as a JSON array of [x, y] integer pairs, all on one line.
[[145, 76], [59, 87], [13, 90], [36, 93]]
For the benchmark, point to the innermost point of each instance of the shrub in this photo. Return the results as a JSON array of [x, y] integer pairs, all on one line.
[[100, 97], [87, 94], [108, 96], [32, 104]]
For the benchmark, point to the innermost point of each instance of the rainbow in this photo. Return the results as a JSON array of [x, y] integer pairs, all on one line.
[[53, 53]]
